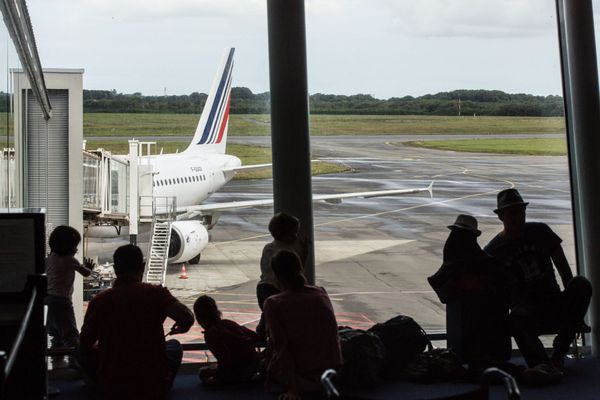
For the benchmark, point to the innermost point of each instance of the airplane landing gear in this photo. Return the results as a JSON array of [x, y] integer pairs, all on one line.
[[195, 260]]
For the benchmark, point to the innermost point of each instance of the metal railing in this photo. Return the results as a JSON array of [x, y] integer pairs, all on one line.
[[163, 206], [14, 351]]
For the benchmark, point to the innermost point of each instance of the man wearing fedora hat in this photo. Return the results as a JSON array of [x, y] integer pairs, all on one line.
[[530, 251]]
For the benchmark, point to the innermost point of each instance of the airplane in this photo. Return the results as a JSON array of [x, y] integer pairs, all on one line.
[[203, 168]]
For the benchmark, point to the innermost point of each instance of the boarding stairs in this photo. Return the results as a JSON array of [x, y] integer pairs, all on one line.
[[158, 253]]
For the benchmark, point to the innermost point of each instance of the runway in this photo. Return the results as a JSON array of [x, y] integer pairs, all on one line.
[[373, 255]]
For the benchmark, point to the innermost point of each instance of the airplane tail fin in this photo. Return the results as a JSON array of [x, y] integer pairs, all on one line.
[[211, 133]]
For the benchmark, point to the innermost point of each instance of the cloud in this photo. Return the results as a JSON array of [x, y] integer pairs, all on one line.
[[445, 18], [473, 18], [144, 10]]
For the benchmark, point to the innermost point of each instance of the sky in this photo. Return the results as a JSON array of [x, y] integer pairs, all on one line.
[[385, 48]]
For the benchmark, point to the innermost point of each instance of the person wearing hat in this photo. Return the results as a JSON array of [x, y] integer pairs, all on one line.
[[530, 251], [471, 285]]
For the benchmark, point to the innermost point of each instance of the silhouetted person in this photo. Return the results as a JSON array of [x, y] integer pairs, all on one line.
[[528, 250], [233, 346], [302, 329], [123, 346], [284, 229], [60, 270], [474, 289]]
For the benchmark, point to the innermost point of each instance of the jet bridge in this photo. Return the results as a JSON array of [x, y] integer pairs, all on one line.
[[118, 190]]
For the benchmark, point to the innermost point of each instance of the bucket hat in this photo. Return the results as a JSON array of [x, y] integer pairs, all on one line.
[[466, 222], [508, 198]]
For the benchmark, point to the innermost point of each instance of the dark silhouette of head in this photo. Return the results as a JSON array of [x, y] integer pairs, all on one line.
[[287, 268], [511, 210], [461, 243], [206, 311], [64, 240], [284, 227], [129, 262]]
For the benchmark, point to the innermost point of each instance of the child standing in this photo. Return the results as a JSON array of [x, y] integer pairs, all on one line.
[[232, 345], [60, 270]]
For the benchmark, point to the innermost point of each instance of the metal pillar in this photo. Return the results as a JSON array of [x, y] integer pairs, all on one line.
[[133, 190], [582, 106], [292, 190]]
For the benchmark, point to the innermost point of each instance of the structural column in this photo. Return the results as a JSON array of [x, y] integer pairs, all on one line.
[[582, 106], [292, 190]]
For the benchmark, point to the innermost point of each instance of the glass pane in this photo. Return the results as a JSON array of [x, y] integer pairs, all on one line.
[[8, 176], [463, 94]]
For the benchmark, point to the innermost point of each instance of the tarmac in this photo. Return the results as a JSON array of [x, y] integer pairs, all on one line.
[[372, 255]]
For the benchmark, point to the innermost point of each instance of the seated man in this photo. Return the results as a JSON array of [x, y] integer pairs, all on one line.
[[527, 250], [122, 344]]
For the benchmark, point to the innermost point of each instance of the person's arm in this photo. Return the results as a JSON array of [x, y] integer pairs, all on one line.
[[86, 268], [183, 317], [250, 333], [282, 358], [89, 331], [219, 349], [562, 265]]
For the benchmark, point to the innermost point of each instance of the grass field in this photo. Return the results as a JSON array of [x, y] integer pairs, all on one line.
[[533, 146], [248, 154], [140, 125]]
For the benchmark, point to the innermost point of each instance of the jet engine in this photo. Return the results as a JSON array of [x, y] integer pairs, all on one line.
[[188, 239]]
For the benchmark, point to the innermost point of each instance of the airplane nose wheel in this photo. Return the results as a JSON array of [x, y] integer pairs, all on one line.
[[195, 260]]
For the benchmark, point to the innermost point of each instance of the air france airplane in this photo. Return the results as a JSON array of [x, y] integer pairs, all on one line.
[[203, 168]]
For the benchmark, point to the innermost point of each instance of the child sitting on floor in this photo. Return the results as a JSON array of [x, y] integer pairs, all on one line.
[[232, 345]]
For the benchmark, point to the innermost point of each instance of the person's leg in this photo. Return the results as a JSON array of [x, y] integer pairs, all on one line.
[[572, 306], [263, 292], [208, 375], [524, 328], [53, 329], [69, 330], [52, 324], [174, 356]]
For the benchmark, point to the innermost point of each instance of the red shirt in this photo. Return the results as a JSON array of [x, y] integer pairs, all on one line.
[[303, 332], [234, 348], [126, 324]]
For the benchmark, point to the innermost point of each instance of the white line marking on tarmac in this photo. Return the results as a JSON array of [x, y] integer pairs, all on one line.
[[441, 202], [251, 321]]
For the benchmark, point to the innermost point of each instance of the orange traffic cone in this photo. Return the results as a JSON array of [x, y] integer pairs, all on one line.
[[183, 272]]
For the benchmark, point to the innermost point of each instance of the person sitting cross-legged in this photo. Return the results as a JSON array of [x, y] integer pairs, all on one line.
[[233, 345], [302, 330], [122, 347], [528, 251]]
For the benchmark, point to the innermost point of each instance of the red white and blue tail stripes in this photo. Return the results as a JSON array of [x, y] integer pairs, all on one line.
[[211, 133]]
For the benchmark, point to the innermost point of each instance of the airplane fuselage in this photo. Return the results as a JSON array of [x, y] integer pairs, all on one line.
[[190, 177]]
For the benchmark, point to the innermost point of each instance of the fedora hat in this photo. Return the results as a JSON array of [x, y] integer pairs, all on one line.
[[467, 223], [508, 198]]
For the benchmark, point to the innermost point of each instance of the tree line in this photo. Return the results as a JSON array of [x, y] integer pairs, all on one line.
[[243, 101]]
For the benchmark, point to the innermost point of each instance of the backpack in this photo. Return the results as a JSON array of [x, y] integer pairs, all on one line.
[[436, 365], [403, 339], [363, 354]]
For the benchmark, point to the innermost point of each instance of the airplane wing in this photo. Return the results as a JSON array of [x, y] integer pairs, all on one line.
[[191, 211], [246, 168], [252, 167]]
